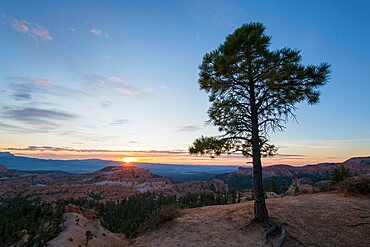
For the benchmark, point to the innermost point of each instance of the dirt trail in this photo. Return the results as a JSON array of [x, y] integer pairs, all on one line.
[[324, 219]]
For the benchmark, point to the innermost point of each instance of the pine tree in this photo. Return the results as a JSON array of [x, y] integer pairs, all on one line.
[[253, 90]]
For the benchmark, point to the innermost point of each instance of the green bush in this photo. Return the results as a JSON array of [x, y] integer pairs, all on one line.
[[339, 174]]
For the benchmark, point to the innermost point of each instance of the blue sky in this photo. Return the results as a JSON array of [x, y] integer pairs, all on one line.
[[107, 78]]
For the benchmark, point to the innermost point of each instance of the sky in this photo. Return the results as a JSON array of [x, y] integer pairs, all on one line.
[[116, 79]]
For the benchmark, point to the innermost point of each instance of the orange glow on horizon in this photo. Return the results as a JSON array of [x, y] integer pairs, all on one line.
[[168, 157], [128, 160]]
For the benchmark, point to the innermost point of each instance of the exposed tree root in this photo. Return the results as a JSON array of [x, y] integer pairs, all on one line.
[[268, 232], [281, 238], [273, 227]]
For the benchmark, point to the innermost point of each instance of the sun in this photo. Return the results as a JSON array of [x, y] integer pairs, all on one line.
[[129, 159]]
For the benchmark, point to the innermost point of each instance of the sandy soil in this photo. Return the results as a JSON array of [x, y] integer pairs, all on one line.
[[323, 219], [74, 234]]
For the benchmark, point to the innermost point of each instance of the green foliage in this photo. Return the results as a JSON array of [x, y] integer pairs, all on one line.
[[296, 189], [273, 187], [251, 86], [208, 145], [339, 174], [42, 221], [127, 215], [89, 236], [147, 211]]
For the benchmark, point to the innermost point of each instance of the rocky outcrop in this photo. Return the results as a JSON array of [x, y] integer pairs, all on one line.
[[3, 169], [89, 214], [74, 234], [289, 171], [72, 209]]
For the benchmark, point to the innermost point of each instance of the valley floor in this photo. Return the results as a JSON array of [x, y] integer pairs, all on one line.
[[322, 219]]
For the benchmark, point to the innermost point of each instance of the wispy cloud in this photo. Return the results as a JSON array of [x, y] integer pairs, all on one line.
[[22, 96], [43, 82], [187, 128], [32, 115], [37, 88], [116, 84], [19, 26], [34, 30], [7, 92], [25, 79], [98, 32], [14, 128], [121, 121], [36, 119], [291, 155], [69, 149], [132, 91], [17, 95], [114, 79], [72, 29]]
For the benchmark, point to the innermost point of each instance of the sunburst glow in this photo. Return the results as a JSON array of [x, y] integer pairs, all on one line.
[[129, 159]]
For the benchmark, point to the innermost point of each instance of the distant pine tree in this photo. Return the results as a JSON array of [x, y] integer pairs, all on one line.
[[339, 174]]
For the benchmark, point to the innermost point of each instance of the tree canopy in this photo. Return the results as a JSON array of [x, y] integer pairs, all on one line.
[[243, 79]]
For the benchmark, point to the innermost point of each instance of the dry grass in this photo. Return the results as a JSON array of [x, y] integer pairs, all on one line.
[[319, 219]]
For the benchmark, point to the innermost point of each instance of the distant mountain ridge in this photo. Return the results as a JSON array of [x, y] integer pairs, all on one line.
[[357, 166], [22, 163], [59, 168], [242, 178]]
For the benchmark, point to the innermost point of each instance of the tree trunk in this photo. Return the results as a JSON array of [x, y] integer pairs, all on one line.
[[260, 210]]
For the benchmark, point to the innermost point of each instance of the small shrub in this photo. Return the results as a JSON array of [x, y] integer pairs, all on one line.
[[168, 212], [296, 189], [322, 186], [70, 239], [306, 188], [339, 174], [356, 185], [159, 217]]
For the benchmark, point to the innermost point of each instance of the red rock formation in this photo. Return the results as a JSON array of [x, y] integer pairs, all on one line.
[[89, 214], [212, 186], [3, 169], [72, 209], [357, 166]]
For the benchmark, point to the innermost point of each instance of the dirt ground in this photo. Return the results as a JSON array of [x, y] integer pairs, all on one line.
[[322, 219]]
